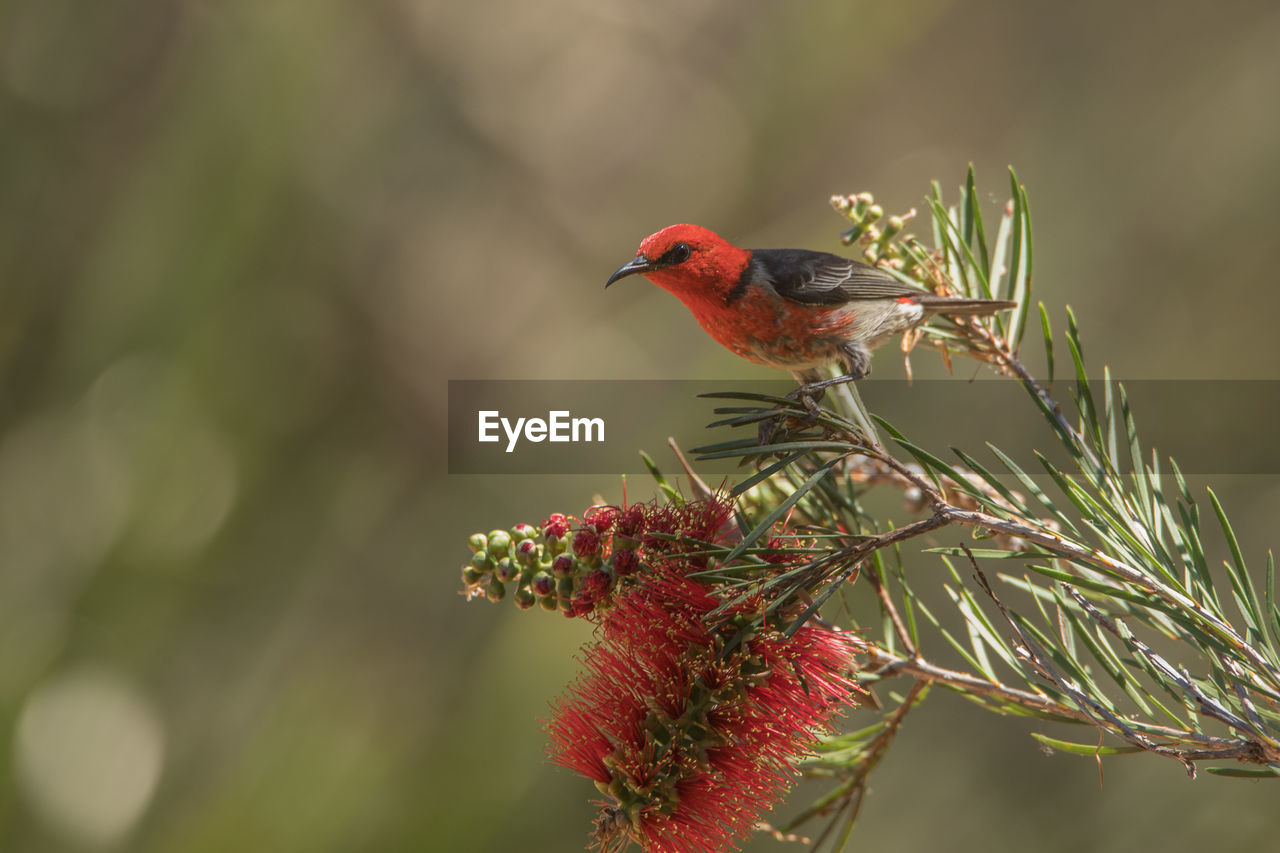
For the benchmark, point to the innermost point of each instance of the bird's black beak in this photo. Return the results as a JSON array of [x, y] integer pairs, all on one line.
[[637, 264]]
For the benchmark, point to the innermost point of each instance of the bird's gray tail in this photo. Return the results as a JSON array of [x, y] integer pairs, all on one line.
[[957, 306]]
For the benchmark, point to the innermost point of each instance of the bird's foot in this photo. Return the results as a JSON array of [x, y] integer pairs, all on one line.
[[811, 392], [770, 431], [809, 395], [784, 421]]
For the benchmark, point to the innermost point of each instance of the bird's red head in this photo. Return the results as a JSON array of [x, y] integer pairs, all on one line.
[[695, 264]]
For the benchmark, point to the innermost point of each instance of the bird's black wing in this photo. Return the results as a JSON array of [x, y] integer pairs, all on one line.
[[820, 278]]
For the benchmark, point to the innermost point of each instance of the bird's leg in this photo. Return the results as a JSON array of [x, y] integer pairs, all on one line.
[[859, 366], [812, 389]]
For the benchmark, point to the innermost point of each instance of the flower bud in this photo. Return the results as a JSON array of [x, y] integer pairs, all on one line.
[[550, 604], [543, 585], [478, 543], [564, 587], [527, 552], [495, 591], [852, 235], [506, 571], [472, 576], [523, 531], [482, 561], [556, 526], [555, 545], [586, 543], [525, 598], [499, 542], [562, 566]]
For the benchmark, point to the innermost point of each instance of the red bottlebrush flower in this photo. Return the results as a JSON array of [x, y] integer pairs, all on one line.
[[782, 550], [601, 517], [595, 586], [631, 521], [705, 521], [691, 714], [556, 526], [691, 735], [625, 562], [586, 542]]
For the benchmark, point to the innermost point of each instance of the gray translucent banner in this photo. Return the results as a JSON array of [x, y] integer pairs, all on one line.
[[599, 427]]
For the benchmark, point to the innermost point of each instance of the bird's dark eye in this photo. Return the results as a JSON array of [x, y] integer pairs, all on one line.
[[677, 254]]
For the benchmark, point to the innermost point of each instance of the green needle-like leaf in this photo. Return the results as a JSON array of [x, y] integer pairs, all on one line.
[[667, 489], [976, 230], [771, 518], [1135, 457], [1111, 448], [1001, 276], [1273, 612], [981, 553], [1084, 397], [1245, 772], [1033, 487], [991, 480], [785, 402], [966, 265], [1083, 748], [730, 450], [1241, 584], [1020, 274], [1107, 588], [765, 473], [981, 631], [1048, 340]]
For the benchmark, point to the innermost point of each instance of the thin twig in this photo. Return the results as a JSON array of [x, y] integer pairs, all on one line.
[[886, 602]]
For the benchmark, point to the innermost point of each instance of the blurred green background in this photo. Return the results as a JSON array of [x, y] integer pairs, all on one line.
[[244, 244]]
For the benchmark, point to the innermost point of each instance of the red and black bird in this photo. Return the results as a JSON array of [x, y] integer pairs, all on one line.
[[792, 309]]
